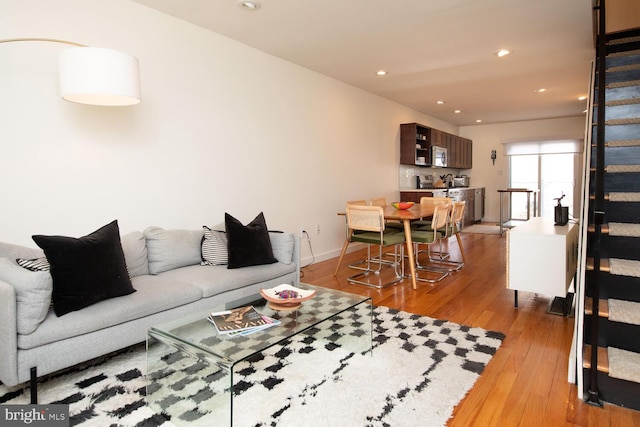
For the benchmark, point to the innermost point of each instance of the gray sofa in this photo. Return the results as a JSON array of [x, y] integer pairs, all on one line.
[[170, 282]]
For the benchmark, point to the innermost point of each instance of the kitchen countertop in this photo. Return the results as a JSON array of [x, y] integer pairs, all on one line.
[[472, 187]]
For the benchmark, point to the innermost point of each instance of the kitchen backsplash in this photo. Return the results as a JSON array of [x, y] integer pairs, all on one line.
[[407, 175]]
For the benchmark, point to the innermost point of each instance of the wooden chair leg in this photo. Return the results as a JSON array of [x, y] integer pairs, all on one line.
[[344, 250], [460, 245]]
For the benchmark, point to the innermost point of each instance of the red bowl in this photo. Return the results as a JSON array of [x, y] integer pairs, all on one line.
[[402, 205]]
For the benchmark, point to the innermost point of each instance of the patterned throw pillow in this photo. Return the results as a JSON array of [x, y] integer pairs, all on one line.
[[214, 247], [35, 264]]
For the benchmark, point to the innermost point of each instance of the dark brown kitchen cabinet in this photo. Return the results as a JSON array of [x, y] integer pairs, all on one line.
[[411, 196], [416, 141]]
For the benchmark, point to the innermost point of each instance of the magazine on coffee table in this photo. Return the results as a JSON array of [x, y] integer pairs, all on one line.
[[239, 320], [270, 322]]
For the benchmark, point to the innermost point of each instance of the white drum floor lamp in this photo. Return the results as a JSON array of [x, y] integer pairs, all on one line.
[[95, 76]]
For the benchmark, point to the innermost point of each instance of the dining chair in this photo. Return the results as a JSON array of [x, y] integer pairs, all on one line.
[[370, 224], [428, 237], [453, 229], [430, 201], [382, 202]]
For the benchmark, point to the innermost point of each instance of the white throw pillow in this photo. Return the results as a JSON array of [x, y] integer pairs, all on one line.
[[170, 249], [282, 246]]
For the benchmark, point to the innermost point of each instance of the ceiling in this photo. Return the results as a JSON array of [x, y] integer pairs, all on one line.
[[432, 50]]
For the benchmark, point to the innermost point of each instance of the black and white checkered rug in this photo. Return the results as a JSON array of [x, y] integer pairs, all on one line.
[[419, 370]]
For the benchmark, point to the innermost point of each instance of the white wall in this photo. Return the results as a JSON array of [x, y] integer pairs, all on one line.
[[221, 127], [492, 137]]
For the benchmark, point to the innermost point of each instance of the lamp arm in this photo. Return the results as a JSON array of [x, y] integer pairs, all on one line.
[[40, 39]]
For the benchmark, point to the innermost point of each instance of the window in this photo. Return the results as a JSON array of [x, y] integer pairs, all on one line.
[[548, 166]]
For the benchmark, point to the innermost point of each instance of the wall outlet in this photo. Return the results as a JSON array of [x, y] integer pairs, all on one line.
[[303, 233], [317, 228]]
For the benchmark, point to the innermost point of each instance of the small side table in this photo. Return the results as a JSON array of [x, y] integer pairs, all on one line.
[[506, 221]]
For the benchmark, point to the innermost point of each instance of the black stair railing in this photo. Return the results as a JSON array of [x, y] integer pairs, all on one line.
[[598, 212]]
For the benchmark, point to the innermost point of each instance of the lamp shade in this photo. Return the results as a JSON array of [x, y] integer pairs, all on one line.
[[99, 76]]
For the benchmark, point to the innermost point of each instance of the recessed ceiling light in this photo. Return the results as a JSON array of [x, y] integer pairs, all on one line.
[[540, 90], [502, 53], [457, 111], [440, 102], [381, 73], [478, 121], [582, 98], [249, 5]]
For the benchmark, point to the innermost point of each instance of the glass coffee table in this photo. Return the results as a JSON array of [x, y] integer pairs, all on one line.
[[191, 368]]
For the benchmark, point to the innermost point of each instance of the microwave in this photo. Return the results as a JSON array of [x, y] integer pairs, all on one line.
[[438, 157]]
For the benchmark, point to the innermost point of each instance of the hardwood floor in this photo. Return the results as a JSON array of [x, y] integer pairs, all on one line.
[[525, 384]]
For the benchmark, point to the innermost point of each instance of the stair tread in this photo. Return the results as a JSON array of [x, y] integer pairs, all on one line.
[[618, 122], [624, 364], [622, 168], [620, 102], [623, 143], [603, 358], [621, 229], [624, 267], [616, 310], [603, 307], [623, 311], [616, 362], [623, 84], [617, 266], [623, 197], [624, 53], [619, 68], [604, 264]]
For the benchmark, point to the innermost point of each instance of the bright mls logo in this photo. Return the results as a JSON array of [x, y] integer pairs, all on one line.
[[35, 415]]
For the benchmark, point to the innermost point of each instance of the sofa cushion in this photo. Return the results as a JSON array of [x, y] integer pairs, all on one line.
[[33, 294], [134, 247], [154, 295], [11, 251], [213, 280], [214, 247], [169, 249], [248, 244], [86, 270], [282, 246]]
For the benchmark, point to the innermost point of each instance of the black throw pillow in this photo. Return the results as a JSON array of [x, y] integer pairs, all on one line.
[[250, 244], [86, 270]]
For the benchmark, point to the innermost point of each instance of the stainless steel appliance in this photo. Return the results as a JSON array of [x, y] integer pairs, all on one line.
[[456, 195], [438, 157], [478, 205], [461, 181]]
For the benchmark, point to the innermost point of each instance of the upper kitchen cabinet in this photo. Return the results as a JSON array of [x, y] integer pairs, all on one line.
[[416, 140]]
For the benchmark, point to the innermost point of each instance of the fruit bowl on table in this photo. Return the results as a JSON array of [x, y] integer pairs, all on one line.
[[402, 205], [286, 297]]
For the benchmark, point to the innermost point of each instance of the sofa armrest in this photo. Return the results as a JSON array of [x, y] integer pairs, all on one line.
[[296, 253], [8, 335]]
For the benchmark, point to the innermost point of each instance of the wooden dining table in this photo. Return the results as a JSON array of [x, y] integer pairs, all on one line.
[[405, 216]]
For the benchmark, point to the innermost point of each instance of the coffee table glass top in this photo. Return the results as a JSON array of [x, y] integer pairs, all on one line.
[[198, 337]]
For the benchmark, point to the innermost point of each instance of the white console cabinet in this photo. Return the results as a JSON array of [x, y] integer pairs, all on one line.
[[541, 257]]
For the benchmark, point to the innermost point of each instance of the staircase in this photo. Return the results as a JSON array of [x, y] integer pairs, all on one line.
[[609, 320]]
